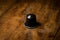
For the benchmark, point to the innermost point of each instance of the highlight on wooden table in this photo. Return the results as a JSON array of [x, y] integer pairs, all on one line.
[[29, 19]]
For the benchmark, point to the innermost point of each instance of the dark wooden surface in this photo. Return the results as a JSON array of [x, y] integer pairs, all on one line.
[[13, 16]]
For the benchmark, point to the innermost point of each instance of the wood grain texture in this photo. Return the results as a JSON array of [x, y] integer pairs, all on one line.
[[13, 16]]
